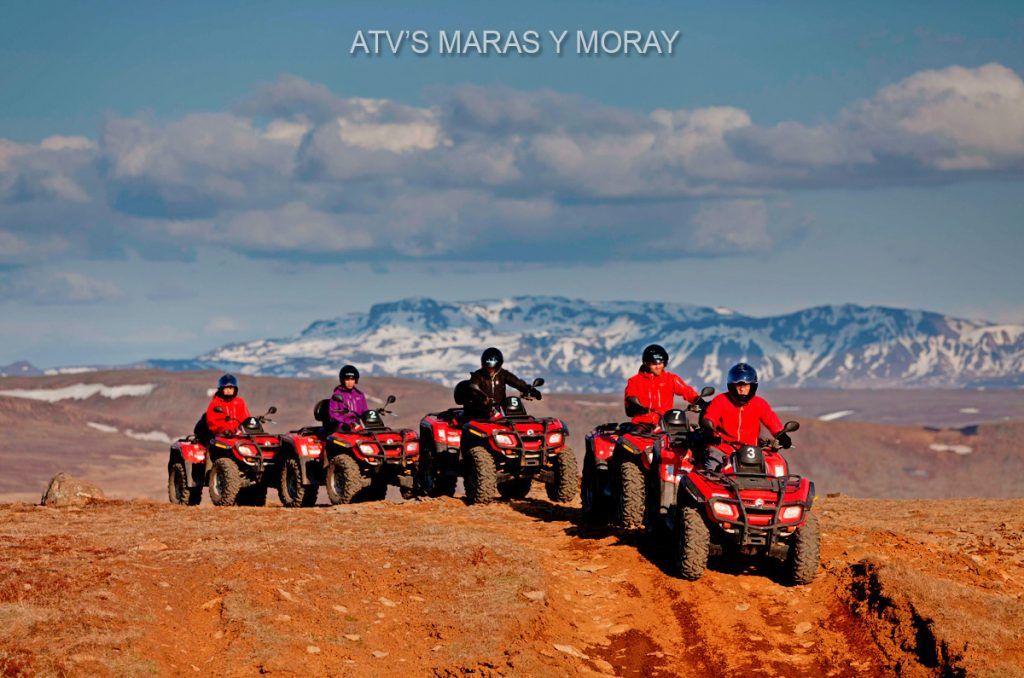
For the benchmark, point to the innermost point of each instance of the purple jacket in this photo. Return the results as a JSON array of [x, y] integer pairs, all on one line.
[[352, 405]]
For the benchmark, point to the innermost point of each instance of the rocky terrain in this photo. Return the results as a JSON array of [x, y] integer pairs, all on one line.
[[914, 588]]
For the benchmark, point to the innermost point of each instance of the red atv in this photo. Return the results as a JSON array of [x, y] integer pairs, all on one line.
[[361, 462], [750, 506], [239, 466], [186, 471], [504, 454], [301, 466], [623, 460], [440, 444]]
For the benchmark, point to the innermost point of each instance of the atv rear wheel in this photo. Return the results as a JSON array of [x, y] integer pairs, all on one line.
[[566, 483], [290, 489], [631, 491], [692, 544], [225, 482], [178, 491], [516, 488], [481, 476], [804, 552], [254, 495], [344, 479]]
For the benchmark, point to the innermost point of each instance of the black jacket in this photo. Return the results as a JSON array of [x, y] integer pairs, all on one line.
[[494, 388]]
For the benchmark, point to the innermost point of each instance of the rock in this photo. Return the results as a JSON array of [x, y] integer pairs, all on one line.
[[153, 545], [312, 649], [285, 595], [283, 618], [618, 629], [210, 604], [591, 568], [417, 599], [379, 654], [386, 603], [570, 650], [802, 628], [354, 637], [535, 596], [742, 607], [164, 585], [436, 648], [341, 609], [65, 490]]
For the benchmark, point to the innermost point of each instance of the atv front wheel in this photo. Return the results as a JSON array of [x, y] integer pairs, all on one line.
[[225, 482], [290, 489], [692, 543], [178, 491], [344, 479], [632, 494], [566, 483], [802, 563], [481, 476], [592, 493], [517, 488]]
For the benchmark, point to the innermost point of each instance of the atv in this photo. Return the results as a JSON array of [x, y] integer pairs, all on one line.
[[301, 467], [751, 506], [504, 454], [186, 471], [617, 468], [240, 465], [359, 463], [440, 458]]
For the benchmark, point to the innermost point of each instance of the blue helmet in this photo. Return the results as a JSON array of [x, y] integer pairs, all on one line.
[[742, 373], [225, 381]]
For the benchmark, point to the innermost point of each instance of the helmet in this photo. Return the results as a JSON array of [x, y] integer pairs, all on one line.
[[348, 371], [742, 373], [492, 358], [655, 354], [226, 381]]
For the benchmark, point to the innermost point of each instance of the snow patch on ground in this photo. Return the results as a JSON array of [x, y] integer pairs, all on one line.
[[832, 416], [68, 370], [956, 449], [102, 428], [590, 403], [81, 392], [149, 436], [787, 408], [969, 410]]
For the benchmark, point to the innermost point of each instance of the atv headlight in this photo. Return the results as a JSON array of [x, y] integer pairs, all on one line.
[[555, 439], [367, 449], [247, 450], [504, 440], [724, 510], [454, 436], [412, 447], [792, 514]]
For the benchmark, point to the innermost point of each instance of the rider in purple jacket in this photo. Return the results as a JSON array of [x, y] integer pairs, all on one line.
[[348, 403]]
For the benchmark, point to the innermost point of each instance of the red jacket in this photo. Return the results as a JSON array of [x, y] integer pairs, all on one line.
[[657, 393], [219, 423], [742, 424]]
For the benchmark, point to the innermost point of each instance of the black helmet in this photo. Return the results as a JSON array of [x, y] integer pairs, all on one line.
[[348, 371], [655, 354], [224, 382], [742, 373], [492, 359]]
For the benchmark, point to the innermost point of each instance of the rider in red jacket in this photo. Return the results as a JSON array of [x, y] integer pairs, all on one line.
[[739, 414], [655, 387], [234, 408]]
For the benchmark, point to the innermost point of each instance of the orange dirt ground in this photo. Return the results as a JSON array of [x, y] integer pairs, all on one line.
[[434, 587]]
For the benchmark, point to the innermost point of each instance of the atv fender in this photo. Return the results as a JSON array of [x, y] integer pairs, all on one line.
[[689, 495], [195, 474]]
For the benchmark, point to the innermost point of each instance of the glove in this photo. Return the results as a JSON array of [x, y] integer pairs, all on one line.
[[534, 393], [784, 440], [700, 404], [711, 438]]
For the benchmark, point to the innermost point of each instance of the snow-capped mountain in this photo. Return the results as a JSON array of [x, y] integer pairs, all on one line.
[[594, 346]]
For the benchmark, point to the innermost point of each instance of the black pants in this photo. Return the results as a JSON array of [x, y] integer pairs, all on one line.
[[713, 459]]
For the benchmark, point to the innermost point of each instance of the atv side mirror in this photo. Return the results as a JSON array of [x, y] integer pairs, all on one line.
[[707, 392], [219, 410], [390, 400], [272, 410], [791, 426], [538, 382]]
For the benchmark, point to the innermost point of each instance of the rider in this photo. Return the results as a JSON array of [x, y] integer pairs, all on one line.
[[233, 410], [737, 417], [347, 402], [655, 388], [491, 379]]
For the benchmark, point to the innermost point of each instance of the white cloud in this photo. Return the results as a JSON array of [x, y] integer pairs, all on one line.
[[61, 287]]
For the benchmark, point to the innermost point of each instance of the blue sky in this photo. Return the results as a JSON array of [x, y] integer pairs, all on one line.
[[167, 168]]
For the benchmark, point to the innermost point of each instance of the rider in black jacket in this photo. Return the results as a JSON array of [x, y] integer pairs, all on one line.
[[491, 379]]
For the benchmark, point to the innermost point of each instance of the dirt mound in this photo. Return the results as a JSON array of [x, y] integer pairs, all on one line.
[[436, 587], [64, 490]]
